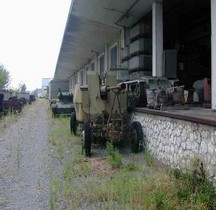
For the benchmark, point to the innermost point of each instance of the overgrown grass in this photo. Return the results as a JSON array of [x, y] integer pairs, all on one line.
[[6, 120], [18, 156], [114, 158], [148, 158], [109, 184], [9, 118]]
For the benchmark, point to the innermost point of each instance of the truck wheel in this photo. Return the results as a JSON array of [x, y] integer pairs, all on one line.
[[136, 137], [53, 112], [73, 123], [87, 139]]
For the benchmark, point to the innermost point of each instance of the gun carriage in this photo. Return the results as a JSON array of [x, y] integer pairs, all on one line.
[[101, 113]]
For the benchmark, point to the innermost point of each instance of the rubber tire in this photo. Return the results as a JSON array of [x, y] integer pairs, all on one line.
[[87, 139], [136, 137], [73, 123], [53, 112]]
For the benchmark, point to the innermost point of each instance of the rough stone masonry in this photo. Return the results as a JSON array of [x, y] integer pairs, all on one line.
[[178, 143]]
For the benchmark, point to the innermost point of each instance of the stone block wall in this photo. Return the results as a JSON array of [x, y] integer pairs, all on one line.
[[177, 142]]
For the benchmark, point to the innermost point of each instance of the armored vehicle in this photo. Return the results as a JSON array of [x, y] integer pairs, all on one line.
[[64, 104]]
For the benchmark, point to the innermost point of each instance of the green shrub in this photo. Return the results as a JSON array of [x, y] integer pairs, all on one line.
[[114, 157]]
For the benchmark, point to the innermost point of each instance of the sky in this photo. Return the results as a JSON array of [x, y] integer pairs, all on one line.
[[31, 32]]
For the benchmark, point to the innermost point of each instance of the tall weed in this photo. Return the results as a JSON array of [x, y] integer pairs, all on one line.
[[120, 187], [114, 157]]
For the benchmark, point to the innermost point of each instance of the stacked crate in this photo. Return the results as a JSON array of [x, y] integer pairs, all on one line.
[[138, 54]]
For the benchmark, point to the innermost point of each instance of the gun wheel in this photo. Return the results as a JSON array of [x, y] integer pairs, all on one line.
[[136, 137], [73, 123], [87, 139]]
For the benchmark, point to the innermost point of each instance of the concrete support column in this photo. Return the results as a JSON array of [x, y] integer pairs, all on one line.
[[96, 63], [70, 85], [213, 54], [157, 39], [106, 58], [120, 46]]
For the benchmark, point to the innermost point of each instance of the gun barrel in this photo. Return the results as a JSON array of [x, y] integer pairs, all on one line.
[[113, 88], [117, 87]]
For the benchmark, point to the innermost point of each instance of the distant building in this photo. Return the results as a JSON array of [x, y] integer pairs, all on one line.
[[37, 92], [45, 87]]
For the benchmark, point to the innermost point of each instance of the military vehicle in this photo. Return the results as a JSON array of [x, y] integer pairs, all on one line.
[[64, 105], [101, 113]]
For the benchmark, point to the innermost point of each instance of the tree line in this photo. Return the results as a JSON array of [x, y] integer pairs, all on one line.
[[5, 80], [4, 77]]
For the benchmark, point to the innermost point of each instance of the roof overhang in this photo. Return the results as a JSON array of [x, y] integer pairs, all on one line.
[[90, 25]]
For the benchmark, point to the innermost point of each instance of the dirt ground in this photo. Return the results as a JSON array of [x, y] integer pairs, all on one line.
[[25, 161]]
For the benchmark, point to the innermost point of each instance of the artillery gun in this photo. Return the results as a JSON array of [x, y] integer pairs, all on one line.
[[101, 114], [64, 105]]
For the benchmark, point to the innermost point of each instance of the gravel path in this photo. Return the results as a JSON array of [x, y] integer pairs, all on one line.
[[24, 161]]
